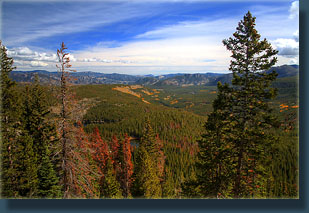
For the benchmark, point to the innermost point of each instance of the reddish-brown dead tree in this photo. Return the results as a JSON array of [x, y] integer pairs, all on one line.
[[126, 166], [100, 150], [82, 174], [77, 173]]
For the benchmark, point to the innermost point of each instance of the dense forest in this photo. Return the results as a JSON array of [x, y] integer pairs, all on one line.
[[238, 139]]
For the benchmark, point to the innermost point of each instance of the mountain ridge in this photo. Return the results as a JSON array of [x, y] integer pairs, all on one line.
[[177, 79]]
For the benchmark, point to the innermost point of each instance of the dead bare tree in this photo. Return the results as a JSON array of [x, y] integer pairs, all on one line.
[[77, 173], [65, 125]]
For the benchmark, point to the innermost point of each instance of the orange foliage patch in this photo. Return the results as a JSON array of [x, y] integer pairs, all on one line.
[[127, 90], [174, 102], [155, 91], [145, 101], [147, 92]]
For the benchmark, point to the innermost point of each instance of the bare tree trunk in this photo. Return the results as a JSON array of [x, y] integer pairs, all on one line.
[[64, 63]]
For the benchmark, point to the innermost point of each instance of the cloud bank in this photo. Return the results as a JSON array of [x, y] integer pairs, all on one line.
[[138, 38]]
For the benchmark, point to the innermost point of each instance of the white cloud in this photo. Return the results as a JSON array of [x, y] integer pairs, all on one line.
[[185, 44], [294, 10], [287, 47], [38, 64], [25, 57], [294, 61], [24, 51], [95, 60], [282, 60], [121, 61], [26, 54], [89, 60], [288, 51], [182, 53], [296, 35]]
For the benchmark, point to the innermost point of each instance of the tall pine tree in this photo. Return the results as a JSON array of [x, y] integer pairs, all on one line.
[[215, 157], [149, 160], [233, 150], [110, 187], [10, 128], [147, 182], [251, 92], [43, 133]]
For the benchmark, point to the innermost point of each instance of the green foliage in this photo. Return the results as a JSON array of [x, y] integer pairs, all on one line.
[[147, 179], [48, 186], [168, 185], [110, 187], [25, 171], [196, 99], [215, 159], [283, 166], [43, 134], [251, 113], [147, 182], [10, 103], [118, 113], [10, 128], [148, 140], [233, 156]]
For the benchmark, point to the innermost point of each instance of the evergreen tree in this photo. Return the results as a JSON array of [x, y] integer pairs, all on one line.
[[147, 174], [10, 126], [110, 187], [20, 177], [43, 134], [26, 170], [10, 103], [48, 186], [168, 186], [215, 157], [148, 140], [160, 157], [235, 146], [251, 112], [147, 182]]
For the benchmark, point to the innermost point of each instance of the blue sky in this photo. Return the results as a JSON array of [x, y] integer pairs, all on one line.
[[141, 36]]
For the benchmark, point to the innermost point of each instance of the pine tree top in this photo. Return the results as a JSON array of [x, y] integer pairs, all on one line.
[[249, 53]]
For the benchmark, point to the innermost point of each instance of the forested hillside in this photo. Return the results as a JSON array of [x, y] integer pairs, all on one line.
[[179, 136]]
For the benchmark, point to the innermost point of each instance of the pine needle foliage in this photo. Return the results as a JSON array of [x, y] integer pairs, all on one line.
[[234, 151]]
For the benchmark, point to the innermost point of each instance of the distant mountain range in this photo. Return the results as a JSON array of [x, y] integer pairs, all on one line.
[[179, 79]]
